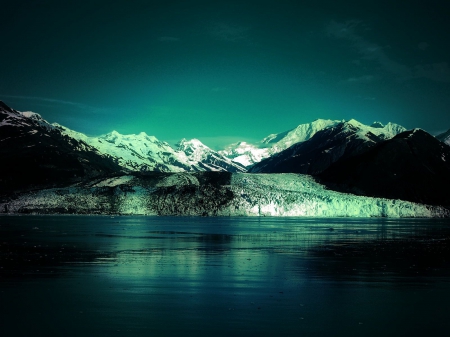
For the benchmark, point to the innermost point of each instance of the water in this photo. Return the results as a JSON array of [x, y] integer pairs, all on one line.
[[172, 276]]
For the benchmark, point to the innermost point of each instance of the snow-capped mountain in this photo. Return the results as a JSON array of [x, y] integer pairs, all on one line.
[[142, 152], [47, 168], [245, 154], [281, 141], [412, 166], [250, 154], [134, 152], [202, 158], [34, 152], [444, 137], [326, 146], [44, 152]]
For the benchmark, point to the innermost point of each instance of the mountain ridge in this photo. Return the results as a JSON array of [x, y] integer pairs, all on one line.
[[326, 146], [413, 166]]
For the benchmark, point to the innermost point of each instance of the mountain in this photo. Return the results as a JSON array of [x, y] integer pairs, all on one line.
[[134, 152], [326, 146], [444, 137], [245, 154], [281, 141], [35, 153], [249, 154], [146, 153], [412, 166], [202, 158]]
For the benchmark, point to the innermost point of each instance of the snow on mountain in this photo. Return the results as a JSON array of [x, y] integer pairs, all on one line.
[[216, 193], [326, 146], [146, 153], [141, 152], [135, 152], [35, 153], [444, 137], [382, 131], [203, 158], [250, 154], [245, 153], [281, 141]]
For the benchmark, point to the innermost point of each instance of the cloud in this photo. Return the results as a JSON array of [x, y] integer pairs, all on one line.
[[438, 72], [168, 39], [57, 101], [229, 32], [368, 50]]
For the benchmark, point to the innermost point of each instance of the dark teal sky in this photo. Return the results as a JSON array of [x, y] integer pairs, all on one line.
[[223, 71]]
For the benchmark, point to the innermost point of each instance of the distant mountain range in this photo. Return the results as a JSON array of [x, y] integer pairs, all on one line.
[[347, 156], [146, 153]]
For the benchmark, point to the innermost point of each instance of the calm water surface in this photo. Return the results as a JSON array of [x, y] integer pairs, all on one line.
[[164, 276]]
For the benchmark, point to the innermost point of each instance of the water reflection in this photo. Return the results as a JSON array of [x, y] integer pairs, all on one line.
[[140, 276]]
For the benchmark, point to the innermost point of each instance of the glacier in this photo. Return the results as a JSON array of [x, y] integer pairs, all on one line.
[[211, 194]]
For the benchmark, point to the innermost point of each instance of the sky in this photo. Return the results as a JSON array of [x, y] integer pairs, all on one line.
[[226, 71]]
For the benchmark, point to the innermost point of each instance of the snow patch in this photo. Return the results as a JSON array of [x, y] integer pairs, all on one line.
[[112, 182]]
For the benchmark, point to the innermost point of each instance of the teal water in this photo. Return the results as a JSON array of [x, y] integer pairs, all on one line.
[[172, 276]]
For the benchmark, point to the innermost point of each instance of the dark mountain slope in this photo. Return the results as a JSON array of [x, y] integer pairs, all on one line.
[[33, 153], [412, 166], [320, 151]]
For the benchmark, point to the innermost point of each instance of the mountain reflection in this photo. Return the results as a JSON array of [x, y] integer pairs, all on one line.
[[141, 276]]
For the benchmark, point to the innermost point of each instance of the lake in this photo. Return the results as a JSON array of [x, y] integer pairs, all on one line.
[[174, 276]]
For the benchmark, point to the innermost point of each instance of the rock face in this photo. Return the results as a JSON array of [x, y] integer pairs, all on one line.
[[211, 194], [412, 166], [34, 154], [343, 140]]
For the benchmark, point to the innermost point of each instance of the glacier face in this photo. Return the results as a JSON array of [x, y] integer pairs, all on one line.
[[212, 193]]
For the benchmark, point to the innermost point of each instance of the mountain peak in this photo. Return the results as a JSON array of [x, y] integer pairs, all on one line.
[[353, 122], [444, 137], [377, 125], [3, 106], [193, 141], [32, 115]]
